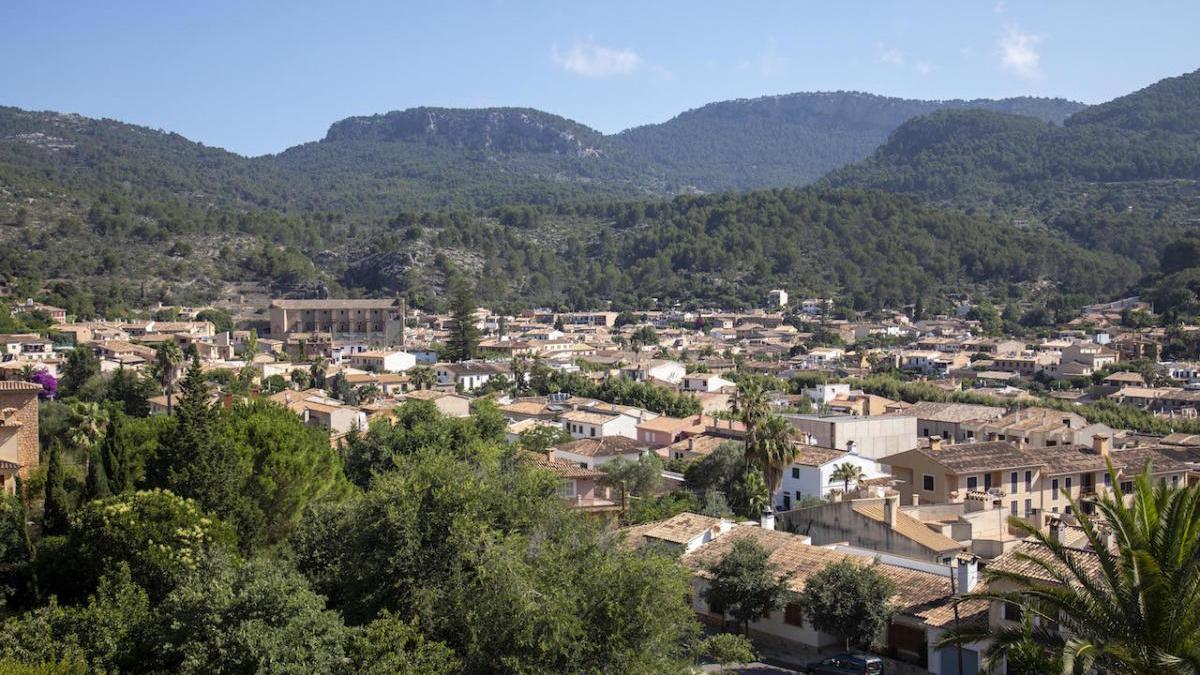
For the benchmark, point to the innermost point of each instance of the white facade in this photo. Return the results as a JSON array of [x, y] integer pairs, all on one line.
[[705, 382], [777, 298], [613, 425], [824, 393], [802, 480], [384, 362]]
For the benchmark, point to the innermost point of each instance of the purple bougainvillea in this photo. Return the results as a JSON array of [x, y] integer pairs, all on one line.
[[49, 384]]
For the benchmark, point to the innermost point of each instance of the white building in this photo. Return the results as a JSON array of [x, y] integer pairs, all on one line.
[[824, 393], [777, 298], [705, 382], [383, 361], [810, 475], [584, 424]]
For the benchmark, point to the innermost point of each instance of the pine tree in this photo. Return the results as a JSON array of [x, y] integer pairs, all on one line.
[[464, 339], [56, 513]]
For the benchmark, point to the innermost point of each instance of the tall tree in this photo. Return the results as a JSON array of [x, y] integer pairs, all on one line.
[[751, 406], [775, 451], [849, 601], [96, 484], [56, 512], [81, 365], [116, 456], [745, 585], [463, 343], [167, 361]]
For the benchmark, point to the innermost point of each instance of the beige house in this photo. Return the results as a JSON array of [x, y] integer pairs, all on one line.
[[1028, 482], [18, 432]]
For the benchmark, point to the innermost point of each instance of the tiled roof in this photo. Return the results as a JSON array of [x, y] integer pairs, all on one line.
[[918, 593], [987, 456], [563, 468], [583, 417], [1017, 562], [605, 446], [16, 385], [952, 412], [811, 455], [680, 528], [702, 444], [908, 527]]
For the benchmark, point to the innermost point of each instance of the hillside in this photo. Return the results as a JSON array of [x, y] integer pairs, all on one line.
[[790, 140], [1123, 176]]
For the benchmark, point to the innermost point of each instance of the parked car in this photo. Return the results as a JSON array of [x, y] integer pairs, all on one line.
[[847, 664]]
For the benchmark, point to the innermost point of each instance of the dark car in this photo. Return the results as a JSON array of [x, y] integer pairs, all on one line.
[[847, 664]]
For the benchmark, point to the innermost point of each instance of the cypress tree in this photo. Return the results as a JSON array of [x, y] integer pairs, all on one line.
[[96, 486], [57, 510], [114, 452]]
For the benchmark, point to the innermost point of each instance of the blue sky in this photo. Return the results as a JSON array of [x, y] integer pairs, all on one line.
[[257, 77]]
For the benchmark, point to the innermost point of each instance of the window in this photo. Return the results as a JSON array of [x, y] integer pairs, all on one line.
[[1068, 483], [1054, 491], [1028, 507], [1012, 481], [795, 472], [972, 482], [1107, 479], [925, 432], [792, 615], [1028, 481], [987, 481], [1012, 507], [1126, 486], [593, 430], [1175, 481], [927, 483], [1012, 612], [1054, 510]]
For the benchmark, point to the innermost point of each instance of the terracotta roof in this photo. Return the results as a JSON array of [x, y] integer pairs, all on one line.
[[604, 446], [919, 594], [562, 467], [952, 412], [680, 528], [987, 456], [908, 527], [811, 455], [701, 444], [665, 423], [1017, 562], [583, 417], [16, 385]]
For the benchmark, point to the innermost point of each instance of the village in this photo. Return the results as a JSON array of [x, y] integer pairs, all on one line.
[[993, 426]]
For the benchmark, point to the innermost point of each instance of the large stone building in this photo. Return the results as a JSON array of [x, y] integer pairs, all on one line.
[[18, 431], [376, 321]]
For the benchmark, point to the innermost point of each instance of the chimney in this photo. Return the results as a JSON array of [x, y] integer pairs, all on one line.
[[550, 455], [1058, 530], [935, 443], [966, 572], [1102, 445], [891, 506], [767, 520], [916, 499]]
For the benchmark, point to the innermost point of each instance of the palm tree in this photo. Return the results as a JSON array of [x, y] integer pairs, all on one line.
[[775, 452], [846, 472], [88, 422], [751, 406], [168, 361], [422, 377], [1129, 603], [368, 393]]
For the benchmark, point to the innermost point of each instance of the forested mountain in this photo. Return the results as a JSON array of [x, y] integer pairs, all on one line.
[[435, 158], [1121, 176], [101, 216], [790, 140]]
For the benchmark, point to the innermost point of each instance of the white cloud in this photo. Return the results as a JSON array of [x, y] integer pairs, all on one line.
[[592, 60], [923, 67], [1019, 54], [890, 55], [768, 63]]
